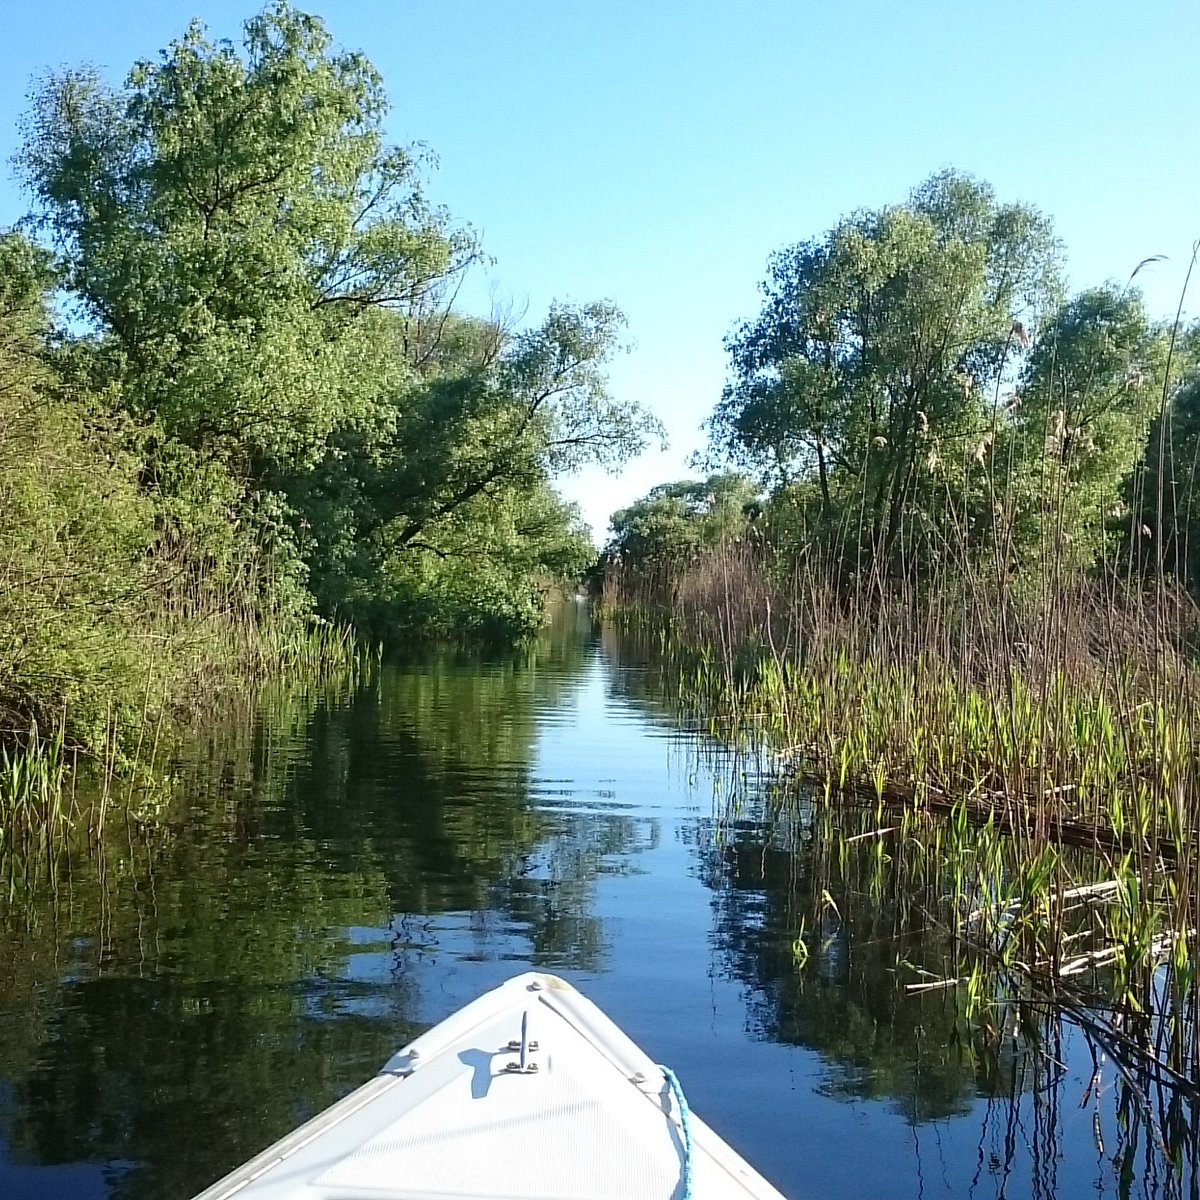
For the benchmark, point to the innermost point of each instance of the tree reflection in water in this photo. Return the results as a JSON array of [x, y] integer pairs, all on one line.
[[175, 1003], [355, 863]]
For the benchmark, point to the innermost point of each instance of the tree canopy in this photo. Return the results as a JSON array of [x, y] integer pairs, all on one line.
[[228, 222], [266, 291], [673, 520], [918, 387]]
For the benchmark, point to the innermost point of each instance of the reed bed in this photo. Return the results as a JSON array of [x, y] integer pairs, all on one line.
[[52, 786], [34, 792], [874, 899], [1028, 756]]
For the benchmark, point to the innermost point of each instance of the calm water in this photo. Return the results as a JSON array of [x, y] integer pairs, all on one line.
[[351, 867]]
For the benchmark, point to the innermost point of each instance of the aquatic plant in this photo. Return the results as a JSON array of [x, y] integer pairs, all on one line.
[[1015, 768]]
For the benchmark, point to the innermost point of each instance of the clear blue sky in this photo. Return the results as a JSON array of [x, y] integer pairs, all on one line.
[[654, 152]]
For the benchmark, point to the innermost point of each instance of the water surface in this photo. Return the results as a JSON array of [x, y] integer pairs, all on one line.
[[352, 865]]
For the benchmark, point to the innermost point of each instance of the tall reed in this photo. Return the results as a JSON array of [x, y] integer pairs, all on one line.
[[1033, 750]]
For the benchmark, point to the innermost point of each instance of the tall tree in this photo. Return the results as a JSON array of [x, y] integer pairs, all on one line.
[[269, 291], [1165, 506], [446, 495], [879, 351], [673, 520], [226, 219], [1077, 427]]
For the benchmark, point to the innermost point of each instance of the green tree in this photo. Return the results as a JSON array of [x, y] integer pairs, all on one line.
[[443, 508], [877, 356], [673, 520], [1077, 427], [267, 292], [226, 221], [76, 583], [1165, 513]]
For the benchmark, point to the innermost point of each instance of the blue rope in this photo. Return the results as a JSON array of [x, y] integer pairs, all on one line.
[[685, 1124]]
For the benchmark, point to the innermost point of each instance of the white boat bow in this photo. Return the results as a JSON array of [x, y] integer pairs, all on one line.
[[528, 1093]]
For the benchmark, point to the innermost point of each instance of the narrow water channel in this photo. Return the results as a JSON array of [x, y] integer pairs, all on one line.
[[351, 866]]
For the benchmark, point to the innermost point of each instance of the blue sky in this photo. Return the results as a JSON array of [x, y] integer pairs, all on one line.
[[654, 152]]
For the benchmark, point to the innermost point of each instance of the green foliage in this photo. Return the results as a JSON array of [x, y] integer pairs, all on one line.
[[225, 220], [1078, 425], [446, 497], [1164, 495], [127, 592], [920, 395], [673, 520], [75, 534], [503, 553], [873, 365], [262, 402], [267, 341]]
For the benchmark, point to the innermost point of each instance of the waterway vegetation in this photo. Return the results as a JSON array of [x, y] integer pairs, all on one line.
[[1039, 823], [327, 830], [239, 410], [846, 941], [330, 867], [960, 599]]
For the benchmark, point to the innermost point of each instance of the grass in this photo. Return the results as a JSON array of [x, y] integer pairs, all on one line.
[[33, 786], [53, 788], [959, 923]]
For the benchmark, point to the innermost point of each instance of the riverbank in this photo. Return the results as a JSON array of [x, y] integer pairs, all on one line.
[[1019, 768], [58, 779]]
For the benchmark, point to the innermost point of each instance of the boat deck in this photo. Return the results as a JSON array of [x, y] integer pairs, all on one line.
[[474, 1111]]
